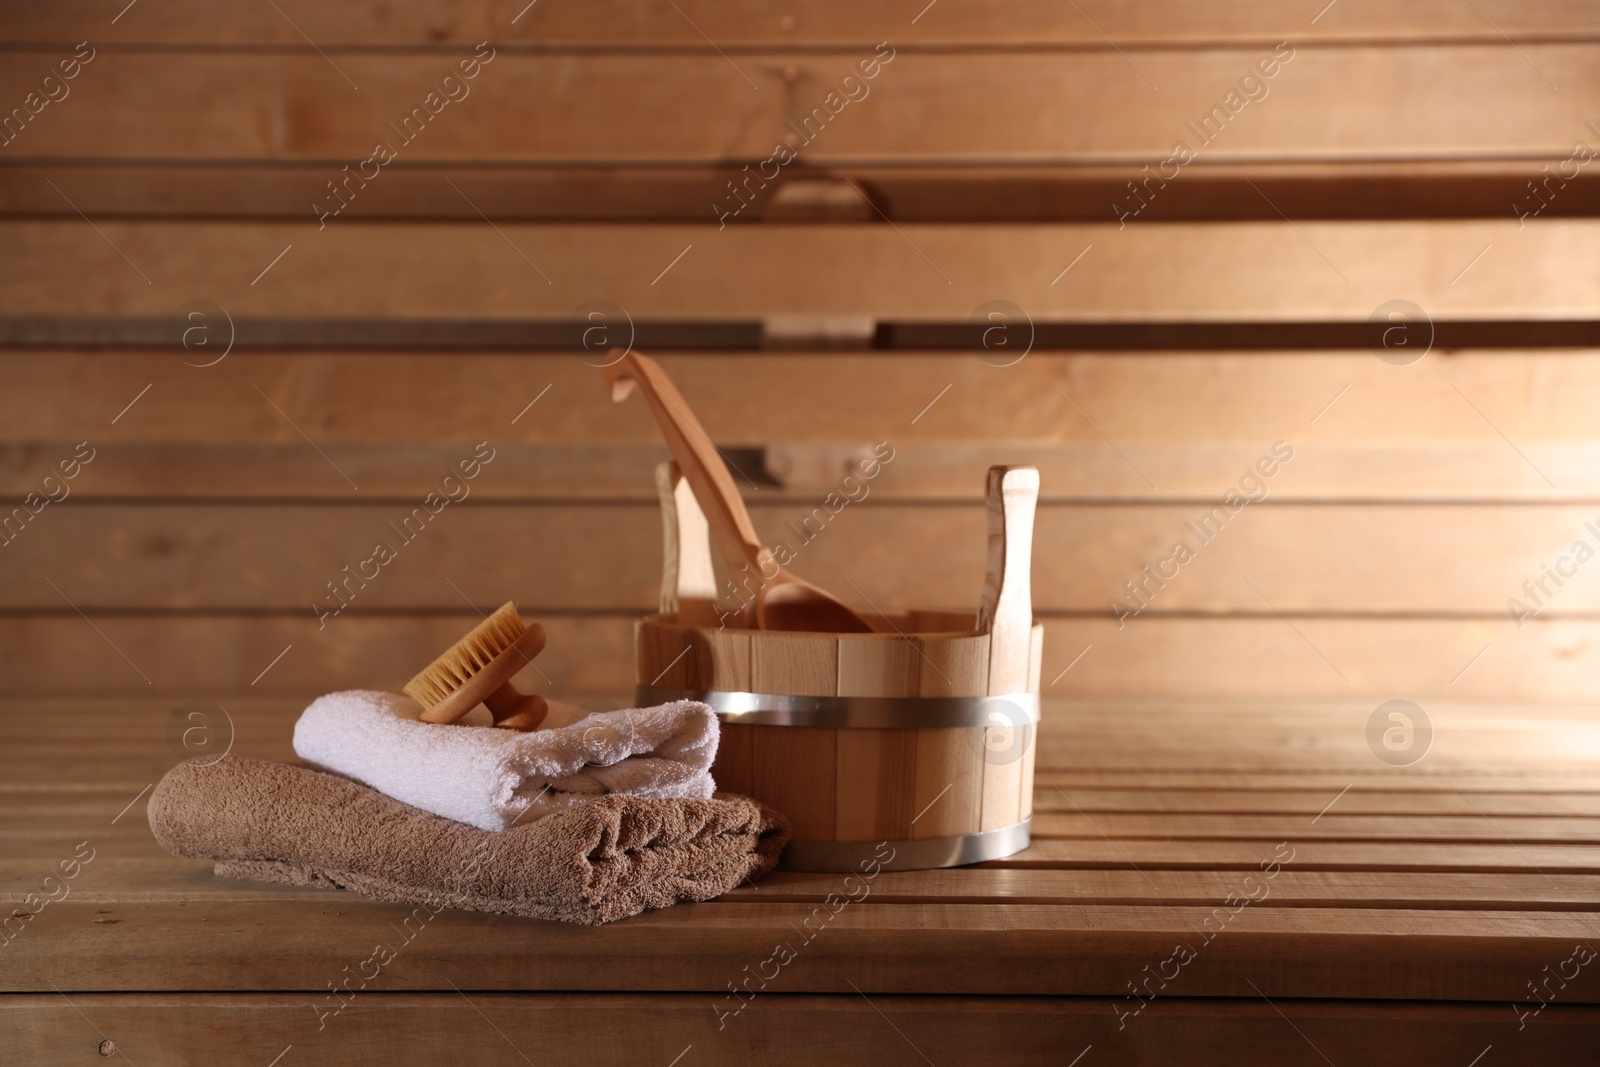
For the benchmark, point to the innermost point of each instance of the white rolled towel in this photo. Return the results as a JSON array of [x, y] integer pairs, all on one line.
[[493, 778]]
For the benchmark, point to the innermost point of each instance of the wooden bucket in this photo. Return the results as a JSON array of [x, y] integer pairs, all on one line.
[[911, 747]]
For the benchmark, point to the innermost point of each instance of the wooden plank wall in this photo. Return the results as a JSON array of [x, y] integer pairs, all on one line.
[[1191, 321]]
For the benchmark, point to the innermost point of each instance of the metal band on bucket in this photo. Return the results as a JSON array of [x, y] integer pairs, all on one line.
[[924, 854], [874, 713]]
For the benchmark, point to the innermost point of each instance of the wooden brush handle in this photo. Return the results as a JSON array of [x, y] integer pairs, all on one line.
[[513, 711]]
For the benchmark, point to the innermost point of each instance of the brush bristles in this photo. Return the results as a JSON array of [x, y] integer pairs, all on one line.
[[467, 656]]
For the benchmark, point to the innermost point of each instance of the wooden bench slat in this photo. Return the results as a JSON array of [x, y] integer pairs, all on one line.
[[129, 881], [1113, 782], [1361, 799], [1363, 856], [610, 1030], [1014, 948], [1143, 741], [40, 847], [1366, 798], [1289, 888], [1471, 827], [1113, 789]]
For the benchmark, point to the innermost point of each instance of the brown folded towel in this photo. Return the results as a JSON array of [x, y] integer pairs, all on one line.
[[608, 859]]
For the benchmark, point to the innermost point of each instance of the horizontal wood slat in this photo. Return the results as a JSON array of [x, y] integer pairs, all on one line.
[[1148, 796], [923, 472], [1112, 789], [1334, 827], [587, 654], [1227, 398], [1481, 748], [1289, 888], [1166, 272], [1015, 948], [1096, 106], [971, 23], [1247, 658], [604, 556], [663, 192], [1403, 857], [124, 853], [54, 821], [416, 1029], [154, 878], [1120, 781], [1182, 425]]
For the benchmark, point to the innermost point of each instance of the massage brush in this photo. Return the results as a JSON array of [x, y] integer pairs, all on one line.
[[478, 669]]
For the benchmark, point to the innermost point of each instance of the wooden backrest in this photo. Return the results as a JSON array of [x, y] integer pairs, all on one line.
[[1163, 252]]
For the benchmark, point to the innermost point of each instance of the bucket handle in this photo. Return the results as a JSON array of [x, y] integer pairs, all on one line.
[[688, 582], [1005, 611]]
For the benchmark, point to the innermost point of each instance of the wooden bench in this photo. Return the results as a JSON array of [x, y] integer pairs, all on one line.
[[1203, 880], [1164, 326]]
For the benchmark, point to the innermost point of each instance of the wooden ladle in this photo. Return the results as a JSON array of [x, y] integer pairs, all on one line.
[[782, 601]]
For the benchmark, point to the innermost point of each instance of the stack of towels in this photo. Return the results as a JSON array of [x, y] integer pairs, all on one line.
[[586, 822]]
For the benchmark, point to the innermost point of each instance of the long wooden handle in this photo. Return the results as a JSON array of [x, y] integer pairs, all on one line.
[[1006, 610], [701, 463]]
